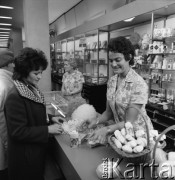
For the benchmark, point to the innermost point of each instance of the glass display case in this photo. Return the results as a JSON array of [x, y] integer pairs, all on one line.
[[90, 52], [55, 99], [80, 45], [69, 49], [59, 59], [96, 64]]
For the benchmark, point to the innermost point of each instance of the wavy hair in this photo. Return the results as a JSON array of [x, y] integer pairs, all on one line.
[[28, 60], [124, 46]]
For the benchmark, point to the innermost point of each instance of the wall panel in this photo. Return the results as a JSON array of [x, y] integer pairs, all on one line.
[[70, 19]]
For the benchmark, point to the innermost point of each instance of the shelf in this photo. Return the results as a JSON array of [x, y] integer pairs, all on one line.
[[162, 124], [91, 49], [155, 88], [63, 52], [161, 53], [78, 51], [95, 63], [158, 108], [143, 64], [103, 49], [100, 49], [163, 69], [161, 40], [95, 76], [168, 81]]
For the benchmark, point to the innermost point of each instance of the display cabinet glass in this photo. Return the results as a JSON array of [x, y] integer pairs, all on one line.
[[80, 45], [52, 57], [59, 60], [70, 47], [158, 68], [96, 65], [162, 69]]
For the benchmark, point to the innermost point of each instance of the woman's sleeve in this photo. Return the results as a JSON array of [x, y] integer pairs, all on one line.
[[17, 122], [139, 93]]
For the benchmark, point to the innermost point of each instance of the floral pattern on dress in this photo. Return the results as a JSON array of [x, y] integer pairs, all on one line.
[[72, 81], [132, 90]]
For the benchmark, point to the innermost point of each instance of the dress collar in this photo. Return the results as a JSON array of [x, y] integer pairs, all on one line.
[[129, 76]]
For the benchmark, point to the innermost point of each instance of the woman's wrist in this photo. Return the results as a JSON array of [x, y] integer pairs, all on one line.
[[108, 129]]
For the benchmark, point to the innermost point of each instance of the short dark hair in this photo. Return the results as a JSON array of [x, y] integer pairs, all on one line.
[[124, 46], [29, 59]]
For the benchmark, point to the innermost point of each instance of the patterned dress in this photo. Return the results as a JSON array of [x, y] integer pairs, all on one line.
[[132, 90], [71, 82]]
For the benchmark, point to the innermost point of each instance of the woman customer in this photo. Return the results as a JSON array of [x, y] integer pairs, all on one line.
[[126, 88], [72, 84], [25, 112]]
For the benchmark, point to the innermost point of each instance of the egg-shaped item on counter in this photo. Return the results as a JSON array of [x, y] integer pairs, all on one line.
[[123, 131], [129, 137], [138, 149], [132, 143], [117, 143], [142, 141], [119, 136], [126, 148]]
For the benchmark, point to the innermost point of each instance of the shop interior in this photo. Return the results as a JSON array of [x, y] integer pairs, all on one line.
[[82, 32]]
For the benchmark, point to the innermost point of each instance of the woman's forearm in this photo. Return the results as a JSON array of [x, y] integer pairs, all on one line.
[[77, 90], [104, 117], [116, 126]]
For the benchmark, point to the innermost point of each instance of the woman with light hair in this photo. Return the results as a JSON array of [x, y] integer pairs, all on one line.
[[72, 83]]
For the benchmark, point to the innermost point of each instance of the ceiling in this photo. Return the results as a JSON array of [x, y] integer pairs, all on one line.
[[55, 9], [59, 7]]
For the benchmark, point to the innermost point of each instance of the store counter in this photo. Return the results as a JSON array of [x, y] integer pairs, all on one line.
[[80, 163]]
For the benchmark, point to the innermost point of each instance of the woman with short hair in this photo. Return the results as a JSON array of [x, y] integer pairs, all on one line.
[[72, 79], [25, 111], [126, 88], [72, 85]]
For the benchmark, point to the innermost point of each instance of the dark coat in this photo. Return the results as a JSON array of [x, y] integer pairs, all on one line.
[[27, 137]]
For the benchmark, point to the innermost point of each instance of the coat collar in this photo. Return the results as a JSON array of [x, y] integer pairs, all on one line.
[[24, 91]]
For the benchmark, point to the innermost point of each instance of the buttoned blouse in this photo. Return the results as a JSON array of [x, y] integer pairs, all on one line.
[[132, 90]]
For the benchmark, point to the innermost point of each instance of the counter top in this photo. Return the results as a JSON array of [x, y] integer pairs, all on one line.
[[81, 163]]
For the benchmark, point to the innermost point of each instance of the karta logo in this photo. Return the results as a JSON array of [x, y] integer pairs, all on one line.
[[116, 169]]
